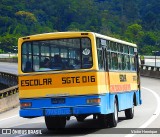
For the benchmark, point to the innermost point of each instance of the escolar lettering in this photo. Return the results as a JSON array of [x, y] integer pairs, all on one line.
[[36, 82]]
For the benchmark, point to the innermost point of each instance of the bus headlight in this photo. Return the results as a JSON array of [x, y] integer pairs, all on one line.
[[26, 104], [94, 101]]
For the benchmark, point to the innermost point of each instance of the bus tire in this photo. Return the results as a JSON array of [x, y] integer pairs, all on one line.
[[103, 121], [129, 113], [55, 122], [81, 118], [113, 117]]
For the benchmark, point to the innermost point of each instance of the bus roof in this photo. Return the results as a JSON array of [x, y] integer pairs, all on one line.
[[68, 33], [115, 40]]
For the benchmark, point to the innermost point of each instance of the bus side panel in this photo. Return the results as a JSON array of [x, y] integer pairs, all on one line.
[[123, 85], [125, 100], [138, 98]]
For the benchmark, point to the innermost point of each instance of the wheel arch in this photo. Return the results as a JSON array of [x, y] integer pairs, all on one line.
[[116, 97], [134, 99]]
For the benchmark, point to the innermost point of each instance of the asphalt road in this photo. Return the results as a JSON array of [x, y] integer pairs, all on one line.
[[8, 67], [146, 116]]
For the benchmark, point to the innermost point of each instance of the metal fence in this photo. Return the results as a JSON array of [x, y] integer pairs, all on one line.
[[8, 79], [150, 71]]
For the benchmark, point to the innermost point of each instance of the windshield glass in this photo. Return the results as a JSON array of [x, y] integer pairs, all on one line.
[[59, 54]]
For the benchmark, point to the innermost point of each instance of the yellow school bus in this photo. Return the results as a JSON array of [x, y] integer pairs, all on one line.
[[66, 74]]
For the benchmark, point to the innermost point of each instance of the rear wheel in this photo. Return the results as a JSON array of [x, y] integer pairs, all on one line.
[[113, 117], [110, 120], [55, 122], [81, 118], [129, 113], [103, 121]]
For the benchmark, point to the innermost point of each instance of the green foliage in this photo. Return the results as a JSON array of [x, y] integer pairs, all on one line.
[[147, 50], [15, 57], [26, 17], [7, 42], [1, 51], [132, 20], [134, 33]]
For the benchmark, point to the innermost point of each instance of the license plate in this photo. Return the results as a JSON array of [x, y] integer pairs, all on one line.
[[58, 100]]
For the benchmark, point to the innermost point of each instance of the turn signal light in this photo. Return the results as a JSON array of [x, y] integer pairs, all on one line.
[[26, 104], [94, 101]]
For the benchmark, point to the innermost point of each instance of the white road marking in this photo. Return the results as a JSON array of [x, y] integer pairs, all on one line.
[[155, 114], [8, 118], [21, 135]]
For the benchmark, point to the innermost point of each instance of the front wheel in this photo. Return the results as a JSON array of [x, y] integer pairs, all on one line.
[[55, 122], [113, 117]]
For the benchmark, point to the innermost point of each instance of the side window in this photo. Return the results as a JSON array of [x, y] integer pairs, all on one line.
[[127, 62], [123, 62], [119, 56], [100, 59], [102, 46], [109, 60], [121, 48], [119, 61], [131, 50], [132, 61], [126, 50], [113, 46], [114, 61]]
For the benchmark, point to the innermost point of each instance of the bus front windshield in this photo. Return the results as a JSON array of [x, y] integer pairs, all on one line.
[[59, 54]]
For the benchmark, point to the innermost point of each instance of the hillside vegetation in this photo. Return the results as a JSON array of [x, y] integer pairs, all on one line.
[[136, 21]]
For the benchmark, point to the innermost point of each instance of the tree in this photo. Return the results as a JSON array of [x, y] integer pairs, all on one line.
[[149, 38], [8, 42], [147, 50], [1, 51], [134, 33], [136, 21], [26, 17]]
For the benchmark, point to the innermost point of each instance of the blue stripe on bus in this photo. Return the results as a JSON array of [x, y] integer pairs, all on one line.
[[77, 105]]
